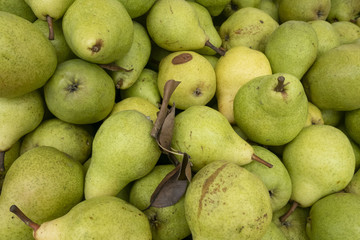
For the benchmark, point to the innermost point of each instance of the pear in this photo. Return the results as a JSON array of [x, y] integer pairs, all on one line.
[[18, 116], [271, 8], [226, 201], [343, 10], [206, 135], [250, 27], [137, 103], [276, 104], [314, 115], [292, 48], [134, 60], [352, 124], [8, 159], [97, 37], [80, 92], [215, 7], [105, 217], [212, 59], [167, 223], [354, 184], [332, 81], [320, 161], [69, 138], [304, 10], [246, 3], [145, 86], [45, 183], [355, 146], [137, 8], [273, 233], [29, 59], [332, 117], [347, 31], [335, 216], [239, 65], [19, 8], [123, 151], [276, 179], [196, 74]]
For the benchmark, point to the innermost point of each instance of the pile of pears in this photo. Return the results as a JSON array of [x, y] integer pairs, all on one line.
[[179, 119]]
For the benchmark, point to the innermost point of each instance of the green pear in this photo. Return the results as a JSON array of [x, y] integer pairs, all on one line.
[[332, 81], [335, 216], [196, 74], [9, 157], [215, 7], [239, 65], [123, 151], [292, 48], [69, 138], [19, 116], [343, 10], [352, 124], [206, 23], [206, 135], [354, 184], [105, 217], [270, 7], [314, 115], [320, 161], [134, 60], [226, 201], [167, 223], [250, 27], [246, 3], [45, 183], [19, 8], [212, 59], [27, 61], [347, 31], [80, 92], [97, 37], [63, 51], [145, 86], [137, 103], [276, 179], [326, 34], [304, 10], [332, 117], [137, 8], [355, 146], [276, 104], [273, 233], [294, 227]]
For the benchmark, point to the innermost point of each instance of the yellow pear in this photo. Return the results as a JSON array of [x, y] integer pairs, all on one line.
[[238, 66]]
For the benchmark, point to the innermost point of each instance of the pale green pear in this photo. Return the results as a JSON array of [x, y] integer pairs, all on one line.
[[354, 184], [97, 37], [304, 10], [332, 81], [226, 201], [215, 7], [54, 8], [19, 116], [174, 26], [45, 183], [332, 117], [69, 138], [196, 76], [335, 216], [292, 48], [326, 34], [137, 8], [276, 104], [276, 179], [145, 86], [29, 59], [80, 92], [314, 115], [206, 23], [19, 8], [320, 161], [347, 31], [273, 233], [270, 7], [343, 10], [206, 135], [352, 124], [105, 217], [167, 223], [139, 104], [250, 27], [134, 60], [123, 151]]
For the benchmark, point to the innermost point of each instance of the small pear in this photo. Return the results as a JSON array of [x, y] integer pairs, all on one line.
[[332, 117], [137, 8], [215, 7], [273, 233], [343, 10], [347, 31], [352, 124], [304, 10], [314, 115], [19, 8], [271, 8], [8, 159], [326, 34], [354, 184]]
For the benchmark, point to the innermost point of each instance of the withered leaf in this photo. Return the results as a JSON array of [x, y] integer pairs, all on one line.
[[181, 58], [114, 67], [166, 131]]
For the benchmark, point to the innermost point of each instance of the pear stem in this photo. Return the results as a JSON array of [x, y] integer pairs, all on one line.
[[14, 209], [216, 49], [2, 161], [289, 212], [280, 86], [49, 20], [262, 161]]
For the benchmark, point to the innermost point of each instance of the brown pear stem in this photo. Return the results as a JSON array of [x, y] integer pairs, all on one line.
[[289, 212], [2, 161], [216, 49], [262, 161], [280, 86], [14, 209], [49, 21]]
